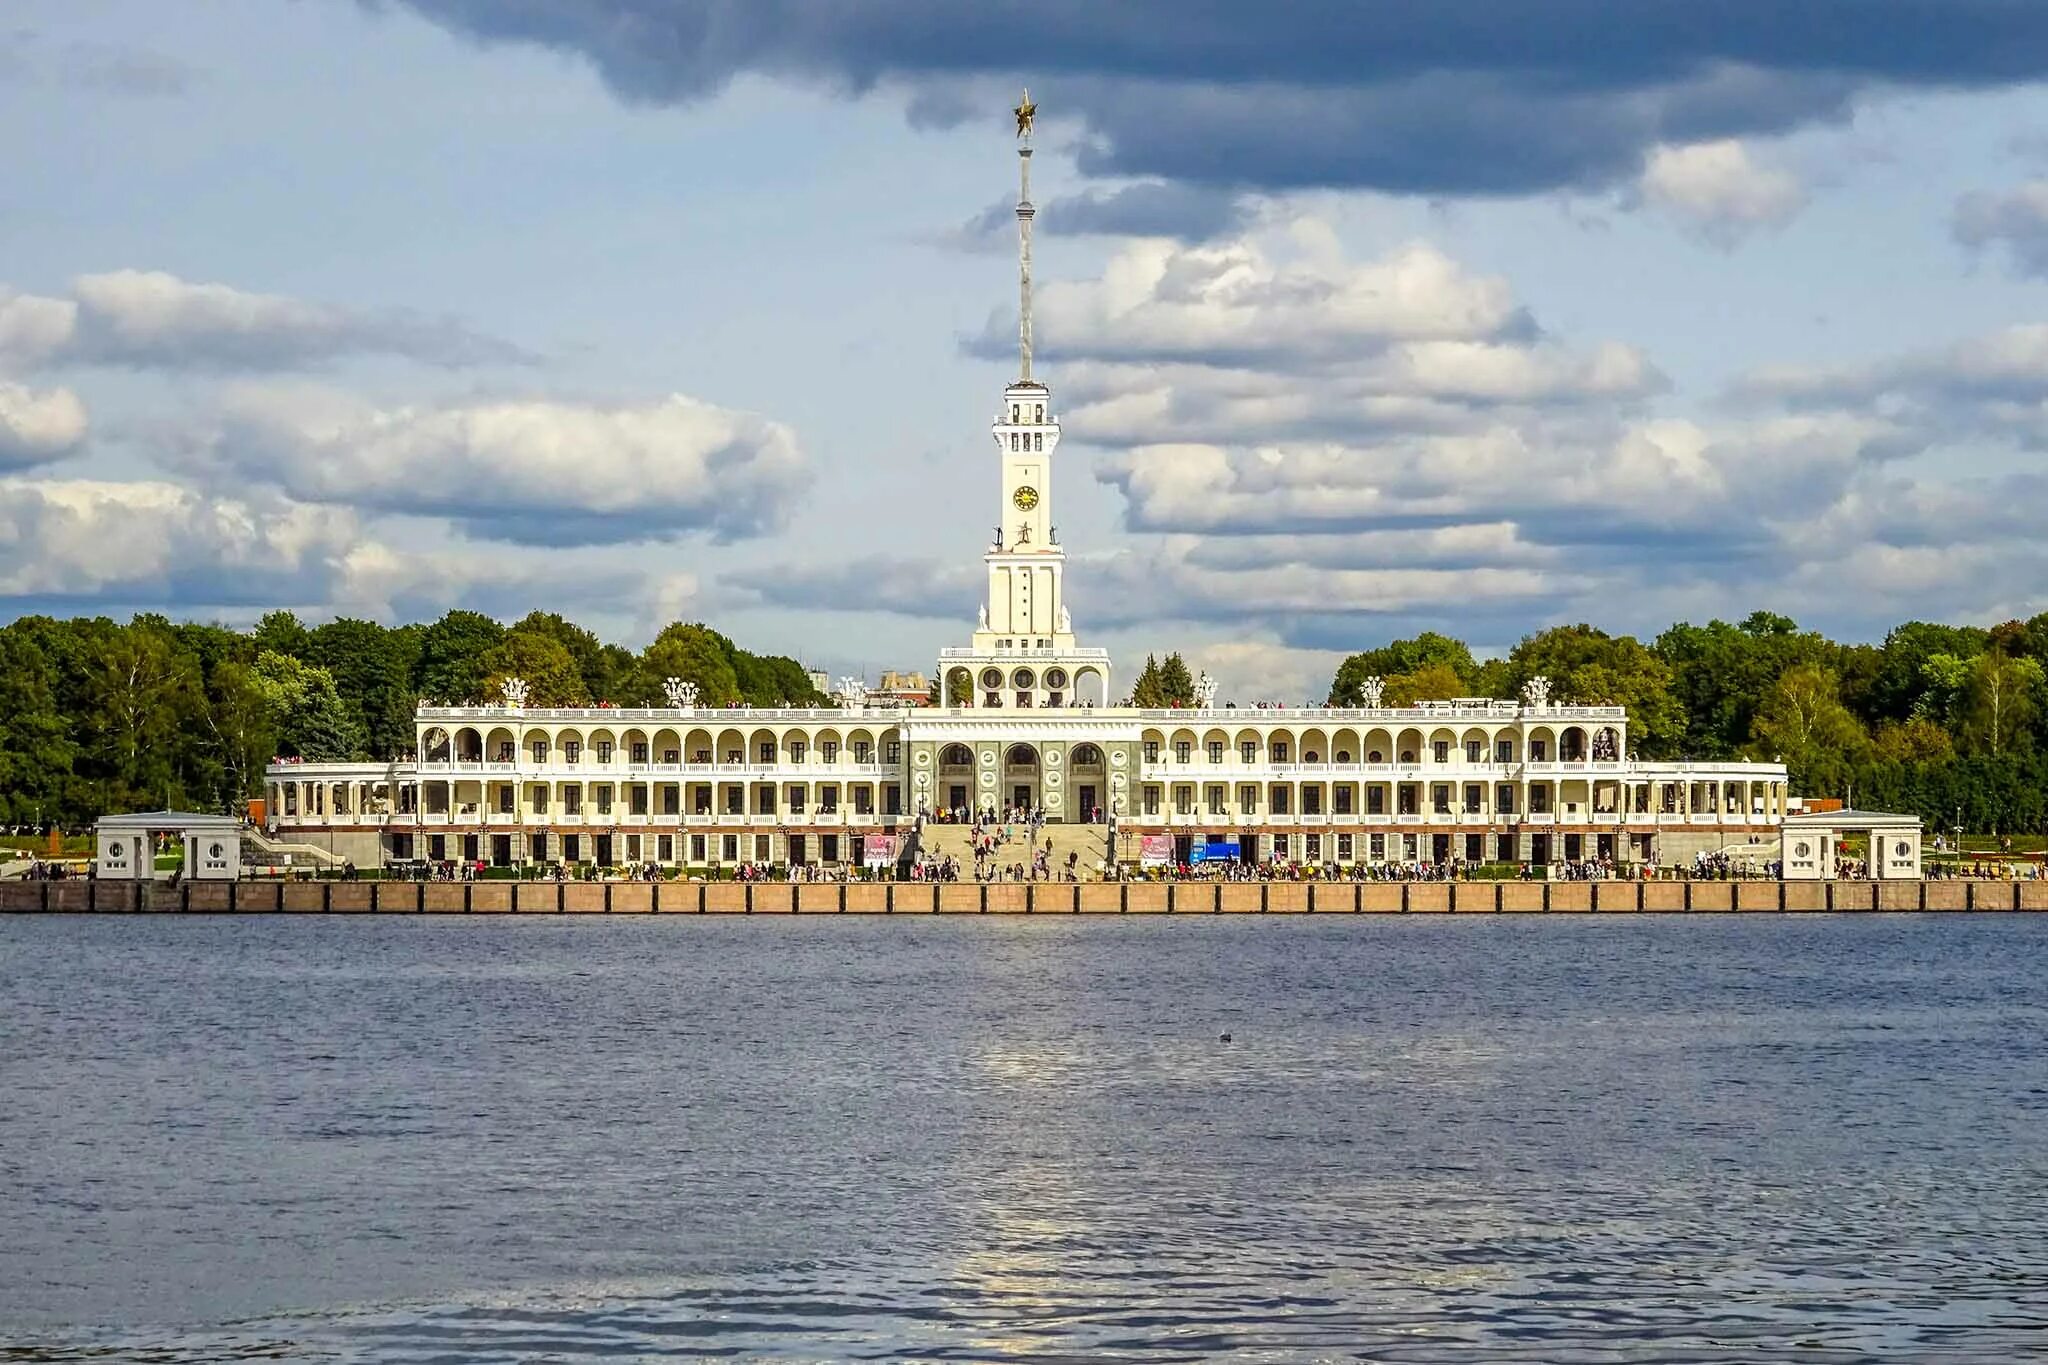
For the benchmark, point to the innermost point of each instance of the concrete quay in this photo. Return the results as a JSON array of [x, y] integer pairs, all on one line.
[[1015, 898]]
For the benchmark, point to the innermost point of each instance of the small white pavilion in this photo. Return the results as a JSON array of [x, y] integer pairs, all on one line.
[[127, 845], [1812, 839]]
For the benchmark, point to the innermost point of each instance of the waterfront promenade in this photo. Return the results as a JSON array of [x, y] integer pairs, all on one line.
[[1023, 898]]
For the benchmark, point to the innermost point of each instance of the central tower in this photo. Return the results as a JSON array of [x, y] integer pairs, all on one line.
[[1024, 654]]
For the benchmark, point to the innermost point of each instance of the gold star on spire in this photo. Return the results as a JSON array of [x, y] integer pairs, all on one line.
[[1025, 112]]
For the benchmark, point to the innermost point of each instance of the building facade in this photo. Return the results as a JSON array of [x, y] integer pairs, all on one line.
[[1024, 720]]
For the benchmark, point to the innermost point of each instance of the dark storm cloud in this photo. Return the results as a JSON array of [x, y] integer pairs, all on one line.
[[1459, 96]]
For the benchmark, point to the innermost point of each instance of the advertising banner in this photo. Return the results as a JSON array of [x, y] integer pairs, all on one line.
[[1219, 852], [878, 848], [1155, 850]]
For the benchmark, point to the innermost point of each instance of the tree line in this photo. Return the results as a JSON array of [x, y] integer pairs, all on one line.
[[98, 716], [1936, 720]]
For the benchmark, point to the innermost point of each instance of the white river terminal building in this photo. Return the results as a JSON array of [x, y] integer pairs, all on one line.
[[680, 785]]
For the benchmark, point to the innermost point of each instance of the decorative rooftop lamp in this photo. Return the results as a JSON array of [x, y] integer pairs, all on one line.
[[515, 693], [1374, 692], [1536, 693], [681, 694], [1205, 690], [853, 692]]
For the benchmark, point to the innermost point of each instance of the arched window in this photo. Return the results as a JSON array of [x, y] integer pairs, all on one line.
[[1087, 756], [956, 756], [1021, 756]]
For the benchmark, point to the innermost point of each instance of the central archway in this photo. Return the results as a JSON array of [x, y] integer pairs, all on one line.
[[1023, 778]]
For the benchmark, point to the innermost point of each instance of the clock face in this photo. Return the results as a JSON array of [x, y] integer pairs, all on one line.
[[1026, 498]]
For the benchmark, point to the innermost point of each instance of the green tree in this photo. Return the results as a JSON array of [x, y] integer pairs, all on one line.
[[1148, 691], [1901, 676], [1431, 682], [372, 670], [694, 653], [1589, 667], [35, 744], [1918, 740], [311, 721], [1403, 658], [1720, 671], [281, 632], [1998, 702], [143, 699], [586, 651], [550, 673], [1176, 684], [451, 654], [1802, 722]]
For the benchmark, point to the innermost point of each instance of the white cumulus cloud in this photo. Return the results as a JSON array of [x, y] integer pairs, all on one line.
[[539, 471], [1716, 191], [37, 427]]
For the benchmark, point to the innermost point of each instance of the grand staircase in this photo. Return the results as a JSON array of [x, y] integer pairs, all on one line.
[[957, 841]]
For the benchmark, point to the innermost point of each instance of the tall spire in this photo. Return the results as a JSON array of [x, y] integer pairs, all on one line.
[[1026, 113]]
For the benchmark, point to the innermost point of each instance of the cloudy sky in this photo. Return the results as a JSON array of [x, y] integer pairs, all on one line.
[[1475, 316]]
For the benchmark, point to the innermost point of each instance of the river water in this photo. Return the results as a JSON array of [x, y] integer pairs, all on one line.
[[1428, 1139]]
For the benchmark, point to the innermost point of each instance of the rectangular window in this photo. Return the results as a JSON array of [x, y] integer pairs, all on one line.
[[1442, 750], [861, 750], [1504, 800], [1379, 845], [1215, 751], [572, 750], [1247, 801], [637, 799], [829, 751], [796, 800], [729, 848], [892, 800], [763, 848], [1248, 751], [1375, 800], [504, 800], [1475, 749], [1343, 848], [1279, 751], [1212, 797], [893, 753], [828, 800], [1151, 800], [572, 800], [1184, 800], [572, 848], [1311, 800], [1055, 699], [767, 751], [1151, 751], [829, 847], [604, 751], [540, 751], [1281, 805], [1344, 800], [797, 750], [863, 801], [1440, 798], [1180, 750], [1474, 797], [1279, 848], [1503, 751], [1404, 799], [540, 800], [639, 753], [1537, 749], [1312, 847], [696, 848]]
